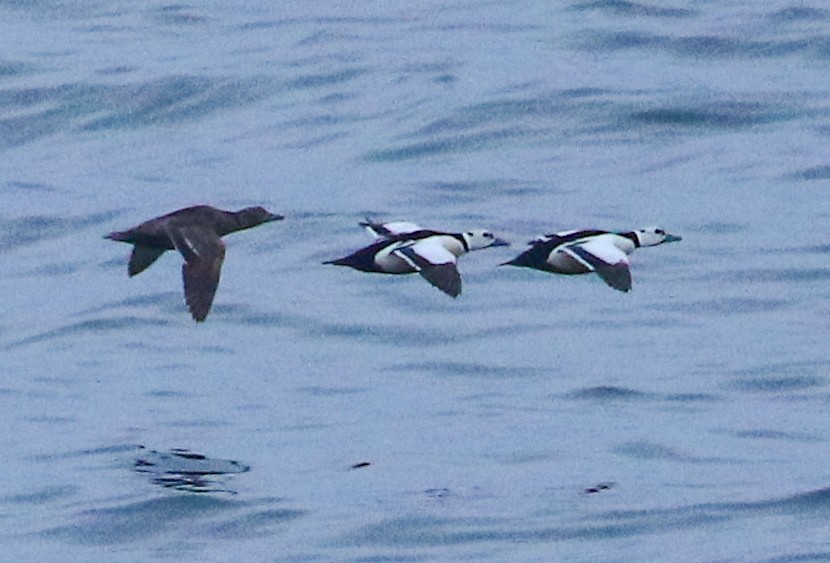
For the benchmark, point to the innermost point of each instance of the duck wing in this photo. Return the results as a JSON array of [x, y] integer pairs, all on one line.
[[601, 256], [384, 230], [435, 263], [142, 258], [203, 253]]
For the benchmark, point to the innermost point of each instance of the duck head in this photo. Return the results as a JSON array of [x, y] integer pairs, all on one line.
[[652, 236], [481, 238]]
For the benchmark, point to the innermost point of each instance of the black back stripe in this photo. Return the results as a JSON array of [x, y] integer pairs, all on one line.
[[555, 240], [461, 238], [415, 235], [632, 236], [421, 235]]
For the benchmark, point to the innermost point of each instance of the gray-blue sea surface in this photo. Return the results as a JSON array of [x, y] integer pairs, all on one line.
[[536, 417]]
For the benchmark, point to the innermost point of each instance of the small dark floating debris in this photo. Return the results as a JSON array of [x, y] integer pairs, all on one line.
[[361, 465], [598, 488]]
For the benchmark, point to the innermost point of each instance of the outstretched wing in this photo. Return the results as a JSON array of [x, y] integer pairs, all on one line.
[[142, 258], [203, 253], [383, 230], [601, 256], [435, 263]]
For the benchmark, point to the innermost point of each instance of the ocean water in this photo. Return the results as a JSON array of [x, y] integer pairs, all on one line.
[[534, 418]]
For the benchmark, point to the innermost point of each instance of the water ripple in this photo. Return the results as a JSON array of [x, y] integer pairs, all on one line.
[[463, 143], [95, 326], [93, 107], [607, 392], [138, 521], [771, 275], [177, 14], [310, 81], [625, 8], [778, 435], [581, 113], [13, 68], [703, 47], [651, 451], [729, 305], [785, 384], [713, 116], [812, 173], [27, 230], [423, 532], [799, 13], [468, 369], [45, 495]]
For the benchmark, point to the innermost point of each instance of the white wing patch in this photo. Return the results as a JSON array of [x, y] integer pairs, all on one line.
[[435, 263], [604, 249], [600, 255], [433, 252], [380, 230]]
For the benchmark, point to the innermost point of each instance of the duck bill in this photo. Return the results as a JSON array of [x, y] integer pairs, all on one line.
[[672, 238], [274, 217], [500, 242]]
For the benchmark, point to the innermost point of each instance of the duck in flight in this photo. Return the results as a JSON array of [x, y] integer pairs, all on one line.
[[405, 248], [585, 251], [196, 232]]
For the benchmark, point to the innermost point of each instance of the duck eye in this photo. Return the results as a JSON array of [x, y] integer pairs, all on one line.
[[660, 231]]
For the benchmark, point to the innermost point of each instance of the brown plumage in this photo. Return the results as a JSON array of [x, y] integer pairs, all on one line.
[[196, 232]]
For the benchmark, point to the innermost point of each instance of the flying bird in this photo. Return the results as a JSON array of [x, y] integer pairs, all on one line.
[[585, 251], [405, 248], [196, 232]]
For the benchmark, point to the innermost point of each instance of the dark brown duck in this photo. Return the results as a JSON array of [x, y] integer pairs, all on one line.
[[196, 232]]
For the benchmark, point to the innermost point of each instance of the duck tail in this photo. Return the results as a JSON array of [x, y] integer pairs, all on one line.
[[337, 262], [118, 236]]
